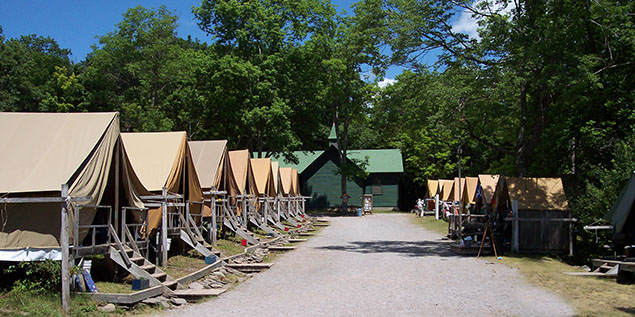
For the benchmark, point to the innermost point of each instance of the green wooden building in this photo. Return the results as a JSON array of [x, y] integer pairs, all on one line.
[[319, 178]]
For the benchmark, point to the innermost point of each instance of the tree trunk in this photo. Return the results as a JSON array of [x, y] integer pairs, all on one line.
[[342, 159]]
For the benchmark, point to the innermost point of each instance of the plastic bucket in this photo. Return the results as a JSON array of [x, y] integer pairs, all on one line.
[[359, 212]]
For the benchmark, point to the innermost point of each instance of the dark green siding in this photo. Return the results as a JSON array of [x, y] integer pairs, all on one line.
[[390, 189], [321, 182]]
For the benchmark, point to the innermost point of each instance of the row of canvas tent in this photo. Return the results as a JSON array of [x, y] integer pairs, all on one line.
[[73, 185], [532, 213]]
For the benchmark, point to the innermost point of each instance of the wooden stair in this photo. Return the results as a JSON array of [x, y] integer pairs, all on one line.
[[140, 267]]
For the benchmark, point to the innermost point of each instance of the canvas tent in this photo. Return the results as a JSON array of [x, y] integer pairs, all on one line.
[[211, 160], [433, 188], [263, 175], [458, 191], [543, 220], [488, 183], [164, 159], [447, 189], [471, 185], [295, 182], [41, 151], [275, 169], [241, 167], [535, 193], [286, 180], [621, 215]]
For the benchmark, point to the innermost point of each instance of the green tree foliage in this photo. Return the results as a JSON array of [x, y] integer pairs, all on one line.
[[133, 69], [28, 68], [264, 43]]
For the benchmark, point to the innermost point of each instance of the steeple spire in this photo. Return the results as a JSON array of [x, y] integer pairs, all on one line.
[[333, 136]]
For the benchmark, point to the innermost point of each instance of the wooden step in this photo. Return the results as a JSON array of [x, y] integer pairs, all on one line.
[[159, 276], [136, 259], [148, 267], [171, 284]]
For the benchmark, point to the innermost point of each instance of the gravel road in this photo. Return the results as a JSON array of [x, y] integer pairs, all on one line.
[[381, 265]]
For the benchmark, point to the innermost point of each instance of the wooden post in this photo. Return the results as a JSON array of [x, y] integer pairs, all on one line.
[[164, 229], [212, 230], [117, 154], [66, 292], [515, 242], [436, 207]]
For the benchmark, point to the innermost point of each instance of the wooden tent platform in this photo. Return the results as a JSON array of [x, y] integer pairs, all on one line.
[[471, 250]]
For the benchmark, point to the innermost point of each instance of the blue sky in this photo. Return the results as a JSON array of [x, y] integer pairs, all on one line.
[[75, 24]]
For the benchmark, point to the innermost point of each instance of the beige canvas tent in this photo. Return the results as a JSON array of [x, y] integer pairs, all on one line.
[[471, 185], [489, 183], [457, 190], [286, 176], [263, 175], [535, 193], [164, 159], [241, 168], [42, 151], [296, 182], [433, 188], [447, 189], [275, 169], [214, 170]]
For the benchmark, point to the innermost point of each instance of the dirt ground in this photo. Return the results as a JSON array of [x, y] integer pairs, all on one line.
[[381, 265]]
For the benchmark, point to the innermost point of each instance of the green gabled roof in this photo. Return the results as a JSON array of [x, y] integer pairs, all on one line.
[[305, 158], [379, 161]]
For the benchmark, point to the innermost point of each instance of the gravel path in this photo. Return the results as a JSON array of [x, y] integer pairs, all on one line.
[[381, 265]]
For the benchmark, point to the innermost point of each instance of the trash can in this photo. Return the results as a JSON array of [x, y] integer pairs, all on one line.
[[359, 212]]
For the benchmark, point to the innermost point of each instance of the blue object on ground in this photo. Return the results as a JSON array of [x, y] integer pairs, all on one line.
[[210, 259], [359, 212], [140, 284]]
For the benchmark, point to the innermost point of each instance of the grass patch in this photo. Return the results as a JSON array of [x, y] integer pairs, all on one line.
[[590, 296], [117, 288], [438, 226], [230, 246], [23, 303], [181, 265]]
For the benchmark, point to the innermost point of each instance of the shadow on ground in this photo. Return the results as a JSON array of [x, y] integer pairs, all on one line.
[[405, 248]]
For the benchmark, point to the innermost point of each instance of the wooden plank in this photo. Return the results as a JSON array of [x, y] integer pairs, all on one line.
[[281, 248], [36, 200], [595, 274], [200, 273], [250, 266], [127, 298], [298, 240], [624, 266], [306, 234]]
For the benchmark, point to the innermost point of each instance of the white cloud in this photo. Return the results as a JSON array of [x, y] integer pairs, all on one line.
[[468, 24], [386, 82]]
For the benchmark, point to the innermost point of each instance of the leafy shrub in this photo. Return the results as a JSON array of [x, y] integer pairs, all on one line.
[[44, 276]]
